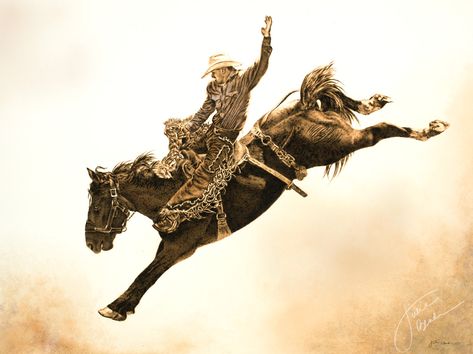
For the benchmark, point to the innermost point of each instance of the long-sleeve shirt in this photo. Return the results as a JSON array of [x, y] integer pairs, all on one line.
[[230, 100]]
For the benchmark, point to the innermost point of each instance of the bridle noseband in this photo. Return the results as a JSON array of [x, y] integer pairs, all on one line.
[[116, 206]]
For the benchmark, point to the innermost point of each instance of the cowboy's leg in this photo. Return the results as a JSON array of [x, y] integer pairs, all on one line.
[[203, 174], [171, 215], [191, 188]]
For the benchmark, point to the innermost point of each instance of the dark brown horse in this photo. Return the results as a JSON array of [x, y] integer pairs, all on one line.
[[315, 130]]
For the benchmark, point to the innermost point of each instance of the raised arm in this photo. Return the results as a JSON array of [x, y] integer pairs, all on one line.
[[255, 72]]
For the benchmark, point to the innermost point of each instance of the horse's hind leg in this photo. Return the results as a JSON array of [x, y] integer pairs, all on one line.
[[372, 135], [371, 105]]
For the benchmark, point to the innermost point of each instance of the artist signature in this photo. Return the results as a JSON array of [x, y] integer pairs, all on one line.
[[419, 315]]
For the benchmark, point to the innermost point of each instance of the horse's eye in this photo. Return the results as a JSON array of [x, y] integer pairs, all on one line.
[[96, 208]]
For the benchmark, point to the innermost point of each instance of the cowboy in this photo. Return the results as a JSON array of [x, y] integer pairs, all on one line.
[[228, 95]]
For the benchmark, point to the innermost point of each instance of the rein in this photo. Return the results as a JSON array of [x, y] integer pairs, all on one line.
[[116, 206]]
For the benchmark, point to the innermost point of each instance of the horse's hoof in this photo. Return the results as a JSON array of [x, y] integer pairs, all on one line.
[[373, 104], [109, 313], [439, 125], [436, 127], [381, 100]]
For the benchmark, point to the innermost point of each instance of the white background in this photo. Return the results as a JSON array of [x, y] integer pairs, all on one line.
[[90, 83]]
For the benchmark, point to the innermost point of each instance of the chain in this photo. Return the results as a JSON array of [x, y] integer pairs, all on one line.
[[176, 131], [210, 198], [284, 156]]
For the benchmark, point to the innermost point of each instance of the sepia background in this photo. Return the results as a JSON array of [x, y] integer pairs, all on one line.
[[90, 83]]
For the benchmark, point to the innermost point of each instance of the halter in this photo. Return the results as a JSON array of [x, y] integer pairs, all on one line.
[[116, 206]]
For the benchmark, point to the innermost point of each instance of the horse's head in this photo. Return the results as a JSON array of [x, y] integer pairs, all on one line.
[[108, 211]]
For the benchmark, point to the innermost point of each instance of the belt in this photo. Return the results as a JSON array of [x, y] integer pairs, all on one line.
[[229, 133]]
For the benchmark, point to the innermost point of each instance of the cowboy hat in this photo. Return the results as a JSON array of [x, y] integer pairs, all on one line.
[[218, 61]]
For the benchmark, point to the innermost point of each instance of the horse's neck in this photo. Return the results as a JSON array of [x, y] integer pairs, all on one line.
[[149, 198]]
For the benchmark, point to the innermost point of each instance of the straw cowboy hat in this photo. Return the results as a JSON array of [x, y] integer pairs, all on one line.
[[218, 61]]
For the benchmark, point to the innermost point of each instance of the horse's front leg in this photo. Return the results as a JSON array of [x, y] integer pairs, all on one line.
[[371, 105], [168, 254]]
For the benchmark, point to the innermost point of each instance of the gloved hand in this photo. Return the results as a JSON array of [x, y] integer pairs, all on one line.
[[266, 31]]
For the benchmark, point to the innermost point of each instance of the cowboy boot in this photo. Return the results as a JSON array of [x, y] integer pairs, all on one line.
[[172, 214], [168, 220]]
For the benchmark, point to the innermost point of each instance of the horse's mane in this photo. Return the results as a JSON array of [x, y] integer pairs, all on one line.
[[141, 170], [144, 162]]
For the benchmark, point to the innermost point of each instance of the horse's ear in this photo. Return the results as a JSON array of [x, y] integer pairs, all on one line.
[[93, 175]]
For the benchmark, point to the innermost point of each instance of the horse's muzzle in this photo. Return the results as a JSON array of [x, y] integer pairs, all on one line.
[[98, 242]]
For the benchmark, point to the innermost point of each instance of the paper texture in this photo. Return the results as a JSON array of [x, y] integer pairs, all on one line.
[[377, 260]]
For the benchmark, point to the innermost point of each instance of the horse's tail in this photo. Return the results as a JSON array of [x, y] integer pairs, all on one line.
[[321, 92]]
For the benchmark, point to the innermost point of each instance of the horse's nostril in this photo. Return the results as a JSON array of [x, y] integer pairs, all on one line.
[[90, 245]]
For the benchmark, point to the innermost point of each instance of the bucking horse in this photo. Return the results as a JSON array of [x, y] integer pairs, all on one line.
[[313, 130]]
